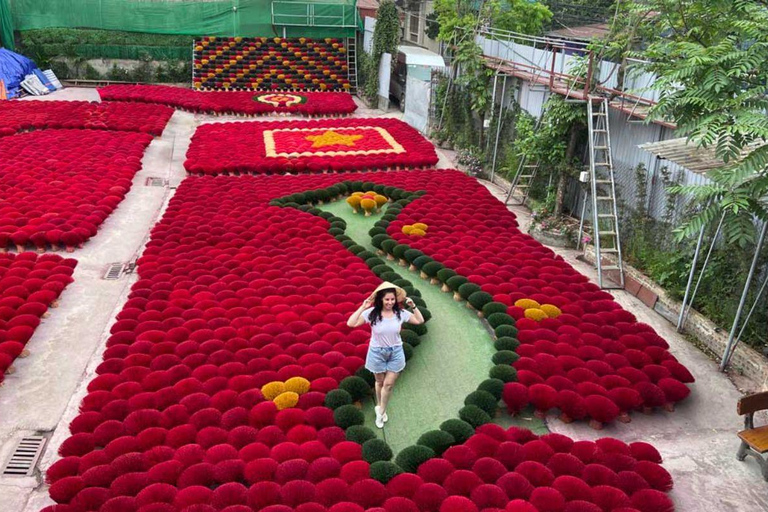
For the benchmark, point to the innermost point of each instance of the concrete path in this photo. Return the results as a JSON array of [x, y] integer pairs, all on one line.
[[698, 441]]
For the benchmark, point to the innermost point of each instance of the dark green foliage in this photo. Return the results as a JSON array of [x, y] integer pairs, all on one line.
[[359, 434], [412, 254], [323, 195], [468, 289], [384, 471], [503, 372], [419, 302], [445, 274], [378, 239], [498, 319], [304, 207], [377, 230], [483, 400], [336, 231], [342, 238], [474, 415], [437, 440], [460, 430], [411, 291], [410, 458], [420, 329], [309, 197], [334, 190], [506, 343], [407, 351], [410, 337], [336, 398], [390, 276], [421, 261], [375, 450], [368, 186], [356, 387], [373, 262], [364, 255], [492, 386], [380, 270], [326, 215], [494, 307], [388, 245], [479, 299], [354, 186], [505, 330], [427, 314], [314, 211], [389, 217], [402, 283], [432, 268], [505, 357], [365, 374], [398, 251], [349, 243], [338, 224], [356, 249], [455, 282], [348, 415], [383, 224]]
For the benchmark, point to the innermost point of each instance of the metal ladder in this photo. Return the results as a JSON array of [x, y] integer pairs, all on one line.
[[602, 187], [352, 64], [526, 173]]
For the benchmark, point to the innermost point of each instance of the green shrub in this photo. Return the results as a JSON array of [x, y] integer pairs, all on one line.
[[437, 440], [506, 331], [398, 251], [407, 351], [455, 282], [445, 274], [378, 239], [323, 195], [368, 186], [492, 386], [389, 216], [506, 343], [334, 190], [402, 283], [459, 429], [505, 357], [474, 415], [384, 471], [356, 249], [343, 238], [304, 207], [349, 243], [420, 329], [326, 215], [338, 224], [375, 450], [390, 276], [410, 458], [381, 224], [359, 434], [380, 270], [479, 299], [411, 291], [375, 231], [373, 262], [421, 261], [503, 372], [364, 255], [336, 398], [388, 245], [419, 302], [483, 400], [494, 307], [468, 289], [365, 374], [412, 254], [348, 415], [432, 268], [356, 387], [498, 319], [427, 314], [336, 231], [355, 186]]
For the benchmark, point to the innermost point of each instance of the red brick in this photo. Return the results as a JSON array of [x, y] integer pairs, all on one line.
[[647, 296]]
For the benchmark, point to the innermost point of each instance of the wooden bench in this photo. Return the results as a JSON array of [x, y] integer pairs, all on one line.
[[754, 441]]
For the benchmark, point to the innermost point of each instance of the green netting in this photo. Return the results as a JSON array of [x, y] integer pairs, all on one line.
[[247, 18], [6, 26]]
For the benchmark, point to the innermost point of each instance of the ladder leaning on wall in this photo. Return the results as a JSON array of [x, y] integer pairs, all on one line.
[[352, 64]]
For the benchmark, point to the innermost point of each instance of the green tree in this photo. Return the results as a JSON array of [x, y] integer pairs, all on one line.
[[522, 16], [711, 60], [386, 37]]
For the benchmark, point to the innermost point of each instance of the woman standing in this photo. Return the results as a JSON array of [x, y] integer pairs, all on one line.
[[385, 358]]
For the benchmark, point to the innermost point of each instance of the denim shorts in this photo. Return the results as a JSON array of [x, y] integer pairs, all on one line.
[[385, 359]]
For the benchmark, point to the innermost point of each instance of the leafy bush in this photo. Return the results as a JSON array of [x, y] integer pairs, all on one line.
[[468, 289], [336, 398], [505, 357], [388, 245], [348, 415], [398, 251], [484, 400], [493, 386], [410, 458], [455, 282], [356, 249], [407, 351], [384, 471], [432, 268], [474, 415], [374, 262], [365, 374], [506, 331], [437, 440], [356, 387], [376, 230], [375, 450], [390, 276], [420, 329], [494, 307], [503, 372], [506, 343], [460, 430], [380, 270], [421, 261], [410, 338], [498, 319], [359, 434], [412, 254], [377, 240], [479, 299]]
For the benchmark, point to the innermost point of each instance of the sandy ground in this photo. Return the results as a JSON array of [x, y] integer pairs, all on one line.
[[698, 440]]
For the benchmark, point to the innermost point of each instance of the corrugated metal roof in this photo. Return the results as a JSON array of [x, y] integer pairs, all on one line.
[[695, 159], [583, 33]]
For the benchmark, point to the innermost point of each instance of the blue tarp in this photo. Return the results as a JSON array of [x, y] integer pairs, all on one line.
[[13, 69]]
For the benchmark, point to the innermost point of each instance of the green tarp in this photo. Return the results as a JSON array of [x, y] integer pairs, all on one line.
[[6, 26], [248, 18]]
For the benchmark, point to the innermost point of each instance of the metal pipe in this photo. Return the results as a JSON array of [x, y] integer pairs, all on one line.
[[493, 104], [690, 279], [752, 309], [703, 267], [498, 127], [731, 345], [581, 220]]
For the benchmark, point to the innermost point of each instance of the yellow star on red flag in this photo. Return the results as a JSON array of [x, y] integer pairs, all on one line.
[[333, 138]]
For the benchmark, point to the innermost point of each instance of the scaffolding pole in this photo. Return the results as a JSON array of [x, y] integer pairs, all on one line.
[[732, 340], [499, 121]]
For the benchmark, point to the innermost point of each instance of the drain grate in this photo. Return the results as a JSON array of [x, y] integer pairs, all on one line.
[[114, 271], [153, 181], [24, 458]]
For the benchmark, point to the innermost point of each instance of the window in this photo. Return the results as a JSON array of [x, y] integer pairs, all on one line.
[[413, 27]]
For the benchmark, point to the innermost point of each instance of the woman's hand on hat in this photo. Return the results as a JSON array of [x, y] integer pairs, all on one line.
[[367, 303], [409, 302]]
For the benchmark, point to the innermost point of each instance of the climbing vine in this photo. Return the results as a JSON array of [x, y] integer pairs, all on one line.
[[386, 36]]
